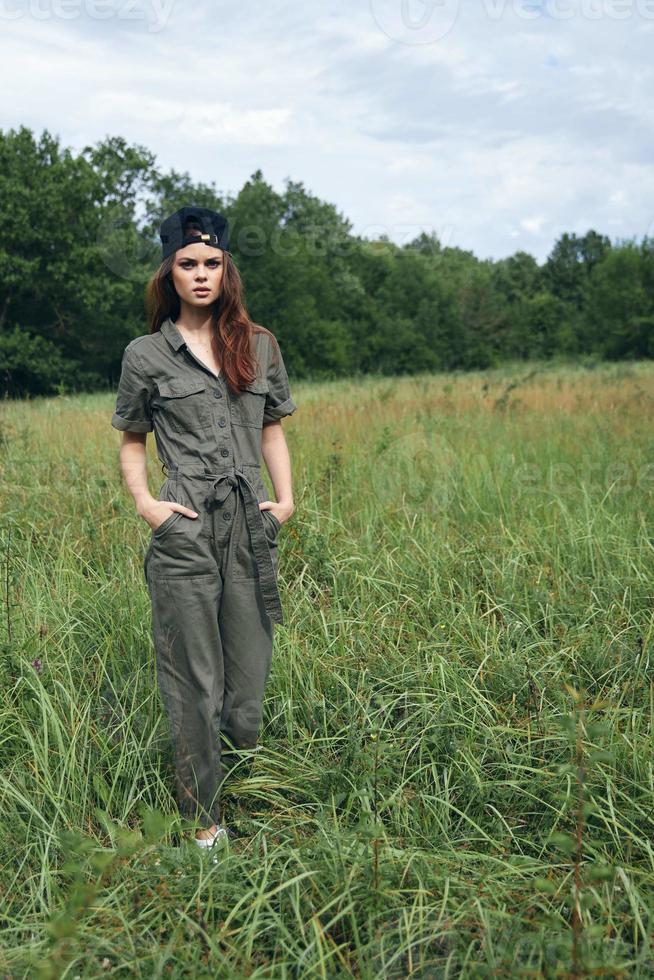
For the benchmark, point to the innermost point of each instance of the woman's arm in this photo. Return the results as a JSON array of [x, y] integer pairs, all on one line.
[[278, 463], [134, 467]]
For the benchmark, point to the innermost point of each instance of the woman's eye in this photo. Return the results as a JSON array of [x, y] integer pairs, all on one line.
[[212, 265]]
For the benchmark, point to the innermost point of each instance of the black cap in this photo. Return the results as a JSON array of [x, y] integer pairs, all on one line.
[[213, 230]]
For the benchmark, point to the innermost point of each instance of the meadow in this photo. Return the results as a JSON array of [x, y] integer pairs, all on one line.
[[454, 777]]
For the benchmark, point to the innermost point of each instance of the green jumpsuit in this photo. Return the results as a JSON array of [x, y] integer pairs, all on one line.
[[212, 579]]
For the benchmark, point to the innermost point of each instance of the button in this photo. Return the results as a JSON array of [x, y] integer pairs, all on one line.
[[222, 423], [224, 452], [226, 515], [217, 393]]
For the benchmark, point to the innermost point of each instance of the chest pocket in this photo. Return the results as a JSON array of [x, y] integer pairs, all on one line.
[[184, 405], [248, 406]]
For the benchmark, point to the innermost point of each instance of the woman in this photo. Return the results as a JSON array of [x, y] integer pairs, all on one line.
[[213, 387]]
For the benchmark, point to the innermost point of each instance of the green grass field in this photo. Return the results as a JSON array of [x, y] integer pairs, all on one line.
[[455, 772]]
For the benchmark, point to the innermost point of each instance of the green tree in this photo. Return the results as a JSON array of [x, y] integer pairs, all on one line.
[[56, 281], [620, 311]]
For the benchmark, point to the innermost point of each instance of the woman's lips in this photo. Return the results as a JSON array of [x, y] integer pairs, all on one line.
[[201, 290]]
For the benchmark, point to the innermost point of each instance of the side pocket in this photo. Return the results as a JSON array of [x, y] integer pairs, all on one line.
[[273, 524], [167, 524], [167, 494]]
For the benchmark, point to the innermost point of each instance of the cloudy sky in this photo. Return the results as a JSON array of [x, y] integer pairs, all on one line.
[[497, 124]]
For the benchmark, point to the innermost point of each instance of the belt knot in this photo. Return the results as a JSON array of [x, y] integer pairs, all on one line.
[[220, 490]]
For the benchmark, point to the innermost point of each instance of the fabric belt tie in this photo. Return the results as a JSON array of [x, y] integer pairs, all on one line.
[[222, 485], [220, 490]]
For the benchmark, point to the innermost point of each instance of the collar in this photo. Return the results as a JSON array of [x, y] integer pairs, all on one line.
[[172, 334]]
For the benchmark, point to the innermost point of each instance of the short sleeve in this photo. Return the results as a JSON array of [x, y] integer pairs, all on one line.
[[133, 412], [278, 398]]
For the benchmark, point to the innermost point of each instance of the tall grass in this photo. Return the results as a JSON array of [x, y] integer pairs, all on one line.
[[455, 772]]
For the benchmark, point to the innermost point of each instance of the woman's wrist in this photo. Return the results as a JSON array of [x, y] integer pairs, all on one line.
[[143, 503], [286, 508]]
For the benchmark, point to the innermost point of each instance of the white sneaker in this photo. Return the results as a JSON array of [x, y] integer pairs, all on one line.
[[219, 836]]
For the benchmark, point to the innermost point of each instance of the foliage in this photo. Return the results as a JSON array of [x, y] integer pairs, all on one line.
[[80, 239]]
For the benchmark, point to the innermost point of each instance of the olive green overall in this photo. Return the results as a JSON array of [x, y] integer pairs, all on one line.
[[212, 579]]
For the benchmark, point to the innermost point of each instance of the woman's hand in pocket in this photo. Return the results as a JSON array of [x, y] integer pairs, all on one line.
[[155, 512], [279, 509]]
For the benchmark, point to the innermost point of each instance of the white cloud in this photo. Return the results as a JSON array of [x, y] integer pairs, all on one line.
[[533, 225]]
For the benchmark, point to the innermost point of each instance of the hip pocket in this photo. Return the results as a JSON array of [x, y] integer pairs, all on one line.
[[166, 524], [168, 494], [272, 525]]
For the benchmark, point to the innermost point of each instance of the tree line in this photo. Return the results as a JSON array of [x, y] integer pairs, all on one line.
[[79, 240]]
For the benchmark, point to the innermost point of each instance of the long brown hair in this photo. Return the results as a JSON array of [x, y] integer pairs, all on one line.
[[232, 327]]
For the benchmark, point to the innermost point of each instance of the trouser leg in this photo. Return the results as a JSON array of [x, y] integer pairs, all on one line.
[[190, 676], [247, 640]]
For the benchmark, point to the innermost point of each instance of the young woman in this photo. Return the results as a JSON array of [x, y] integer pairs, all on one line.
[[213, 387]]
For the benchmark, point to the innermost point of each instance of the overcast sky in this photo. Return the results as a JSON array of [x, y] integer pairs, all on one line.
[[498, 124]]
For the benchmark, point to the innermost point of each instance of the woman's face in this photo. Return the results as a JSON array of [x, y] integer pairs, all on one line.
[[197, 274]]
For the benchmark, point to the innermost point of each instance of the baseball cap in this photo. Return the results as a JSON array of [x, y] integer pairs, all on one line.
[[207, 227]]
